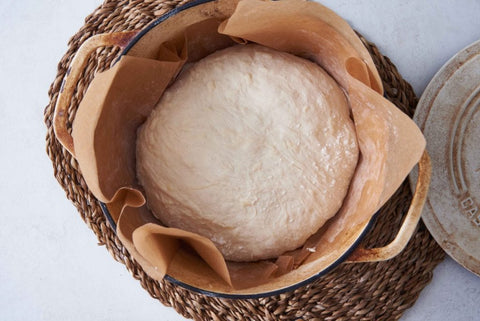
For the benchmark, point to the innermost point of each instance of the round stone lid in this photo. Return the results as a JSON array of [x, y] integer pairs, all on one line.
[[448, 113]]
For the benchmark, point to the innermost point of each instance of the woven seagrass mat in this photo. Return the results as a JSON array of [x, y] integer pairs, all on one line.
[[366, 291]]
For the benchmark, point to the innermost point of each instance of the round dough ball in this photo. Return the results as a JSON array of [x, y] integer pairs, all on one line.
[[251, 148]]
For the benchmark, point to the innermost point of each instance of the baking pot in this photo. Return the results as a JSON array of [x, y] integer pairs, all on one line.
[[347, 249]]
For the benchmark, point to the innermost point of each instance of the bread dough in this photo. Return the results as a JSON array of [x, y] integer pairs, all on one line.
[[251, 148]]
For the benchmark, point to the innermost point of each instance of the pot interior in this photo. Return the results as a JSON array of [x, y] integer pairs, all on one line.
[[206, 16]]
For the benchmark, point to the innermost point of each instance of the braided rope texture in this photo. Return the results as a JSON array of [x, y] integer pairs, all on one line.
[[362, 291]]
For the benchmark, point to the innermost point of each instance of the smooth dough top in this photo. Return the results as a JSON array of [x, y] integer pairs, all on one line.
[[251, 148]]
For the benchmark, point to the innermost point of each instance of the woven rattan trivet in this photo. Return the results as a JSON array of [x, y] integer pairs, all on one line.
[[362, 291]]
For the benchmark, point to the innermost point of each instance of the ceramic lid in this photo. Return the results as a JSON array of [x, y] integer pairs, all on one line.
[[448, 113]]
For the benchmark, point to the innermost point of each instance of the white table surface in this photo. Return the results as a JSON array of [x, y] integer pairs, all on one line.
[[50, 265]]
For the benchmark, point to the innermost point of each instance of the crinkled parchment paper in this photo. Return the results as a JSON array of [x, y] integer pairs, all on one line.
[[120, 99]]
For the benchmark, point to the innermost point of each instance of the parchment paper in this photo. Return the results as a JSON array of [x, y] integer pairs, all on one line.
[[119, 100]]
